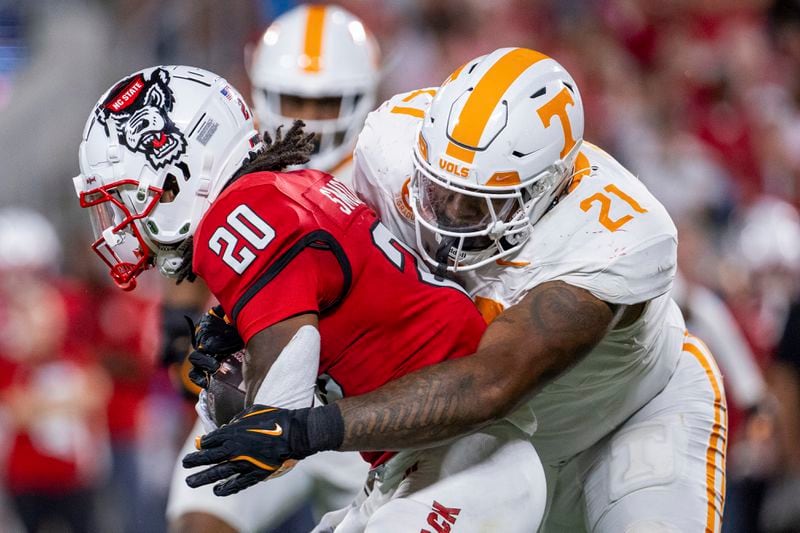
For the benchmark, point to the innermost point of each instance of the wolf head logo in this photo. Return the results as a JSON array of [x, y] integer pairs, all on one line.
[[140, 106]]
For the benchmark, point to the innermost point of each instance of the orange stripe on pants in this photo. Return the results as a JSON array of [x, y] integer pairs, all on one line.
[[718, 431]]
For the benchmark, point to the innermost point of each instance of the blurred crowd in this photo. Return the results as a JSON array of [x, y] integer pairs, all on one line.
[[700, 99]]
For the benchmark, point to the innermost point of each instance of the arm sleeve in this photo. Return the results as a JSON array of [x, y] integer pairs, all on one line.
[[290, 382]]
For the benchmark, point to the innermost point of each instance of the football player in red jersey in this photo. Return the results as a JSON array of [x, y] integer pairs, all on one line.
[[332, 94], [175, 177]]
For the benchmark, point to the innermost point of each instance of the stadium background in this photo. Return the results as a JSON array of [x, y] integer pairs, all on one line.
[[701, 99]]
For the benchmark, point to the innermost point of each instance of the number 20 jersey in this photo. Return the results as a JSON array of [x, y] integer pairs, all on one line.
[[276, 245], [608, 235]]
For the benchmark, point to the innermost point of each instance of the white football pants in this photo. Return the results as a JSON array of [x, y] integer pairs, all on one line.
[[662, 471], [491, 480]]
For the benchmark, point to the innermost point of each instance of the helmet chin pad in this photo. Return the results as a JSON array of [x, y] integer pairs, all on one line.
[[169, 263]]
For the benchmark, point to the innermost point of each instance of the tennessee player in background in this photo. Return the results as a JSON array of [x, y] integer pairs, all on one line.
[[572, 259], [317, 63], [174, 176]]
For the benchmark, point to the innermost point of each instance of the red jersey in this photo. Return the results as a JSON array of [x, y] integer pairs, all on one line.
[[276, 245]]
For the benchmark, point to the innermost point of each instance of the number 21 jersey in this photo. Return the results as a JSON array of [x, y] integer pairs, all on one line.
[[607, 235]]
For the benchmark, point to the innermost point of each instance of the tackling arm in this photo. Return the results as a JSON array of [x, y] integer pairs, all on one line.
[[551, 329]]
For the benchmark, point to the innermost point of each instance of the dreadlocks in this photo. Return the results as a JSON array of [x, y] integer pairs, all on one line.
[[293, 148]]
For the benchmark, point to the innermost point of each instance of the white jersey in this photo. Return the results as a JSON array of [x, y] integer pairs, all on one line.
[[608, 235]]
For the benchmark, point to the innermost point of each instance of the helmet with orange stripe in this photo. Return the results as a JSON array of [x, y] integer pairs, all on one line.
[[495, 150], [319, 64]]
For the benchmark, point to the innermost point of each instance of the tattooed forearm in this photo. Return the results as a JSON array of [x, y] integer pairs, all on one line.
[[385, 419], [568, 321], [528, 345], [559, 309]]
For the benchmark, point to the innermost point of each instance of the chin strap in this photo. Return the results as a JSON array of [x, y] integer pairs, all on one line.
[[443, 257]]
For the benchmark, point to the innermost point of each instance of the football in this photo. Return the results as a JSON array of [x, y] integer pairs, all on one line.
[[226, 389]]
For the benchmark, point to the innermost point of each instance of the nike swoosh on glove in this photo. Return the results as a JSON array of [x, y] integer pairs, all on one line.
[[252, 447]]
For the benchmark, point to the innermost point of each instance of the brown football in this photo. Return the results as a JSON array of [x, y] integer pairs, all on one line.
[[226, 389]]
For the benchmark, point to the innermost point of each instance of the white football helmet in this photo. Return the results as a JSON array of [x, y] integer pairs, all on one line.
[[157, 149], [28, 241], [322, 53], [495, 149]]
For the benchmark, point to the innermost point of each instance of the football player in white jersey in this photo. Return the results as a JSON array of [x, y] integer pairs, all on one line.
[[572, 260], [319, 64]]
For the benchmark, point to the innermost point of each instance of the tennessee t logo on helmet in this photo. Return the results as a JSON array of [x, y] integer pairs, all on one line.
[[557, 107], [504, 131]]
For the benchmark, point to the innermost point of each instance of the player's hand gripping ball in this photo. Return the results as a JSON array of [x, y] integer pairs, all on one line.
[[217, 362]]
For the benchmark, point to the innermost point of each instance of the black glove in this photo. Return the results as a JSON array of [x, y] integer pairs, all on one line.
[[213, 337], [258, 441]]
